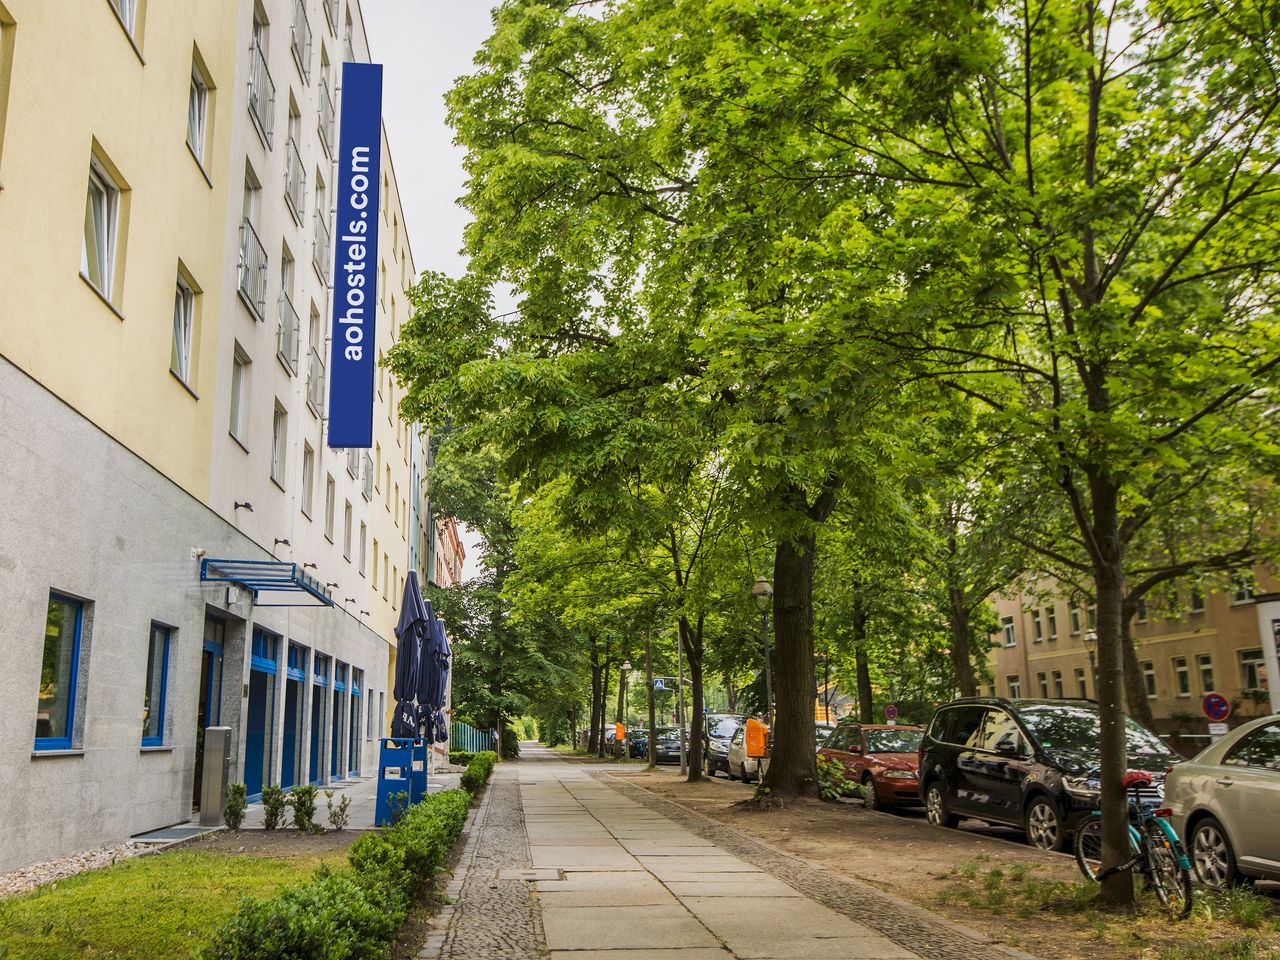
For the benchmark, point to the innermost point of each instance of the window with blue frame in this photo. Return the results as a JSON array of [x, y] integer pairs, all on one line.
[[56, 701], [264, 651], [157, 686]]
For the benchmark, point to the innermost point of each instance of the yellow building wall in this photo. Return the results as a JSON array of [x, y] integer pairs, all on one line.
[[78, 84]]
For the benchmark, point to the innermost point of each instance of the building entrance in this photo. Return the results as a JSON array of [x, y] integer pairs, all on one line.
[[209, 702]]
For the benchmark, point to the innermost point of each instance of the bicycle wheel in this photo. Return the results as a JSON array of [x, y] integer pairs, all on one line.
[[1088, 846], [1171, 882]]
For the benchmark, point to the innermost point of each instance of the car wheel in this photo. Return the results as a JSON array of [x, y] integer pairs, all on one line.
[[869, 798], [709, 768], [728, 771], [1044, 826], [1211, 853], [935, 806]]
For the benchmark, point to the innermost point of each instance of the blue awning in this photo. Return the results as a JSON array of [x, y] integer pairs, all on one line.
[[273, 583]]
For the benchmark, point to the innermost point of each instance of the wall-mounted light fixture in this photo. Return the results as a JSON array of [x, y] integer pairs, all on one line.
[[246, 505], [313, 566], [279, 541]]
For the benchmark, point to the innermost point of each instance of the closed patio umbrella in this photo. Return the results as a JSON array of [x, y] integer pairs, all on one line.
[[412, 635]]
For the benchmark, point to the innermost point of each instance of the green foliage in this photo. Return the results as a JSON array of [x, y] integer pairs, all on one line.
[[832, 782], [338, 815], [352, 914], [233, 810], [303, 801], [460, 758], [478, 770], [274, 802]]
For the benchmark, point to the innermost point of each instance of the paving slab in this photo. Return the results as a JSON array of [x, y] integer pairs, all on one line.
[[583, 858], [614, 927], [671, 847], [670, 868], [760, 886], [645, 953]]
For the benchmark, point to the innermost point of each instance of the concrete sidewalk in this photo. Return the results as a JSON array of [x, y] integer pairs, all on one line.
[[585, 871]]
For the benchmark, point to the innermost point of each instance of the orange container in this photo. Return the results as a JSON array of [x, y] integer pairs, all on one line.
[[620, 731], [756, 739]]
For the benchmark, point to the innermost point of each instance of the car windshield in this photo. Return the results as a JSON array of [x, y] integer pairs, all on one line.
[[893, 741], [669, 735], [722, 728], [822, 733], [1077, 729]]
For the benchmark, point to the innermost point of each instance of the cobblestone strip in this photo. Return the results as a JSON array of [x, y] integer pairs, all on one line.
[[913, 927], [492, 919]]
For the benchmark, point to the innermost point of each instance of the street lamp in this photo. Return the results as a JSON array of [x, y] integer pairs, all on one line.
[[1090, 647], [763, 593]]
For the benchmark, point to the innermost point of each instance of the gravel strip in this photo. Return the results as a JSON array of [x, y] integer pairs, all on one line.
[[496, 919], [906, 924], [28, 878]]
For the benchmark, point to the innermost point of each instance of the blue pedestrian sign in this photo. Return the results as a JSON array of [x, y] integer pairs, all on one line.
[[1216, 706]]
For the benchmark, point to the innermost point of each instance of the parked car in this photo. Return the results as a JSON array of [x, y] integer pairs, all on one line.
[[668, 745], [718, 730], [738, 766], [883, 759], [1028, 763], [611, 745], [638, 743], [1226, 805]]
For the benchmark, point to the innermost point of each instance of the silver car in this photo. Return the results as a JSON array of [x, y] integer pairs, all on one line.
[[1226, 804], [738, 765]]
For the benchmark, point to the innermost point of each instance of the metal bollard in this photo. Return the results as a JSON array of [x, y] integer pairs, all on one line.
[[216, 775]]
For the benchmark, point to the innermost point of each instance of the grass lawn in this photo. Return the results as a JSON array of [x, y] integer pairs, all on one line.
[[147, 908]]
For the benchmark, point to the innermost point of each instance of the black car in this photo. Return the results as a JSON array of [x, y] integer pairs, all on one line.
[[638, 744], [668, 745], [717, 730], [1029, 763]]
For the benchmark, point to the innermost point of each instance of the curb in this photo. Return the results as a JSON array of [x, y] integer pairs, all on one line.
[[433, 946]]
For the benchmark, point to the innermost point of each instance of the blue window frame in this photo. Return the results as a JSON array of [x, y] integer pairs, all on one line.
[[263, 657], [157, 688], [340, 677], [59, 674], [296, 668], [320, 670]]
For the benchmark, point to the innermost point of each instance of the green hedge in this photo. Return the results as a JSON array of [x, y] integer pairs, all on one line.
[[478, 770], [460, 758], [352, 914]]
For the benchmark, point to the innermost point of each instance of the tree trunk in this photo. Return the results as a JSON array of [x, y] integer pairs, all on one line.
[[593, 738], [652, 749], [731, 694], [961, 632], [1117, 888], [866, 699], [604, 708], [622, 696], [1135, 685], [792, 766], [691, 637]]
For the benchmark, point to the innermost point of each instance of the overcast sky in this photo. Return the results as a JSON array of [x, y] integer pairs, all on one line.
[[423, 46]]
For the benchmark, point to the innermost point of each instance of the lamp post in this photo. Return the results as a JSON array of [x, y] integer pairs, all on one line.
[[762, 591], [1090, 647]]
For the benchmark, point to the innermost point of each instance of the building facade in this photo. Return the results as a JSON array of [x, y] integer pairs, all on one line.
[[181, 548], [1189, 642]]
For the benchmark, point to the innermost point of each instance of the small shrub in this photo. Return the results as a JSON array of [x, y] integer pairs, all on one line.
[[397, 803], [303, 800], [233, 812], [460, 758], [478, 771], [274, 802], [338, 815], [832, 781]]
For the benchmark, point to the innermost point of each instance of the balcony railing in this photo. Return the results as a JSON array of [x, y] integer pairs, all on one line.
[[367, 488], [353, 462], [300, 43], [331, 11], [348, 51], [320, 254], [295, 180], [262, 91], [252, 279], [326, 117], [287, 334], [315, 381]]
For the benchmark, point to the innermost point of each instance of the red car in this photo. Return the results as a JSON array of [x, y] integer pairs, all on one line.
[[885, 760]]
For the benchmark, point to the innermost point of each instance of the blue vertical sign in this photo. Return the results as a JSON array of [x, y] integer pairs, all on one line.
[[355, 278]]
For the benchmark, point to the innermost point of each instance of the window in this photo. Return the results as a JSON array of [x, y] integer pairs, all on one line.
[[1075, 621], [184, 318], [308, 478], [279, 443], [377, 466], [1057, 684], [1042, 681], [127, 11], [157, 686], [1197, 600], [386, 489], [1037, 626], [288, 324], [1181, 677], [262, 89], [329, 491], [1243, 590], [1092, 613], [1259, 749], [197, 112], [1142, 608], [1052, 617], [959, 725], [1000, 734], [1204, 664], [102, 210], [1082, 685], [1253, 669], [368, 722], [1149, 677], [56, 699], [239, 394], [375, 563], [346, 532], [251, 270], [396, 501], [386, 573], [363, 531]]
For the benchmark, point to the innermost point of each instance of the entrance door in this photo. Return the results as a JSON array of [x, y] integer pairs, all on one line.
[[336, 741], [289, 744], [258, 733], [317, 728], [209, 696], [353, 728]]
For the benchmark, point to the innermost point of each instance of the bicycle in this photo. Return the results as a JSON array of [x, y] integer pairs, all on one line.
[[1157, 852]]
